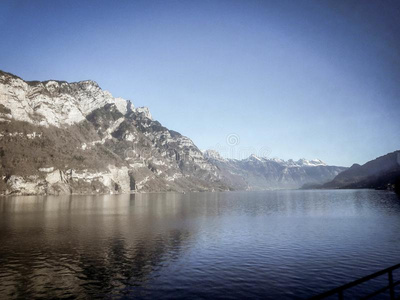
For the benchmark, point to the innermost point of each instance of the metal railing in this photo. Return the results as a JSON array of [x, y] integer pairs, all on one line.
[[340, 291]]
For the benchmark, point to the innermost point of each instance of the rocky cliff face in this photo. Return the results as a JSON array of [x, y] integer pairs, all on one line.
[[259, 173], [59, 138]]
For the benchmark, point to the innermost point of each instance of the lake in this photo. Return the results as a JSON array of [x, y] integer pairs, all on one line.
[[232, 245]]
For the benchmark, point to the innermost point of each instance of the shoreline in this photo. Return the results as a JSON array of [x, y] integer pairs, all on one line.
[[191, 192]]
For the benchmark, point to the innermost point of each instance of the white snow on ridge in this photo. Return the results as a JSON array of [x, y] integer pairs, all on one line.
[[212, 154], [144, 111]]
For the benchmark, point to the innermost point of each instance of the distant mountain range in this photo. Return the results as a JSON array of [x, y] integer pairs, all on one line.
[[75, 138], [258, 173], [380, 173]]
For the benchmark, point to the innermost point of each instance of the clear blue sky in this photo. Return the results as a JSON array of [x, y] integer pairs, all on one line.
[[314, 79]]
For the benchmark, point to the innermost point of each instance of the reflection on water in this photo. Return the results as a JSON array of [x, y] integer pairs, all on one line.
[[277, 244]]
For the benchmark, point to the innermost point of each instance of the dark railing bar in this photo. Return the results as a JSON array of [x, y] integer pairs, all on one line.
[[339, 290], [341, 295], [376, 293], [391, 286], [396, 283]]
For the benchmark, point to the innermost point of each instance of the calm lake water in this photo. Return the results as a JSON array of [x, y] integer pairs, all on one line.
[[274, 245]]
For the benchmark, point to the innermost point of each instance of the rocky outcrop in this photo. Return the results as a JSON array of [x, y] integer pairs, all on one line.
[[91, 142], [53, 102], [71, 182]]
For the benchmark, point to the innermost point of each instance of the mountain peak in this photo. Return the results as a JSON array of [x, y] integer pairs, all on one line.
[[87, 141], [213, 154], [254, 157], [313, 162], [87, 84], [144, 112], [54, 102]]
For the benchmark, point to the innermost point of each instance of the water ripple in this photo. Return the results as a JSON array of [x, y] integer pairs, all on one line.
[[269, 245]]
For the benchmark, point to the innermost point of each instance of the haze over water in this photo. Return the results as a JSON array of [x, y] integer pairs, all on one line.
[[275, 244]]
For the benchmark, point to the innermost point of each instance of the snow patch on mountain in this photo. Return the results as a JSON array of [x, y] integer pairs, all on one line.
[[213, 154], [259, 173]]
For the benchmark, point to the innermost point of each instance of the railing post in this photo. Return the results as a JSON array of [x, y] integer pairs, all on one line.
[[391, 287], [340, 295]]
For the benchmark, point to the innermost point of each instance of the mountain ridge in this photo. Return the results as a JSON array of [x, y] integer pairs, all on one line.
[[84, 130], [61, 138], [260, 173], [382, 172]]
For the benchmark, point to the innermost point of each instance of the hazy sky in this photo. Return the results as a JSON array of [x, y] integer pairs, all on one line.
[[291, 79]]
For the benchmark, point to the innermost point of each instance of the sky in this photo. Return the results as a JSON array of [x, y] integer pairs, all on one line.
[[287, 79]]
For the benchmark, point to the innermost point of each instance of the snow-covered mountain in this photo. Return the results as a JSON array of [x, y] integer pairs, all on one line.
[[59, 138], [259, 173]]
